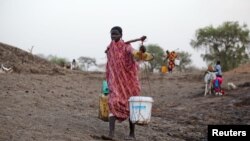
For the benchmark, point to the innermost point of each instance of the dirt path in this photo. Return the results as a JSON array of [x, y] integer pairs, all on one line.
[[65, 108]]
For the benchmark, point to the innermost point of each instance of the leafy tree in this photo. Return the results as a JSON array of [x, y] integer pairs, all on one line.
[[57, 60], [185, 60], [228, 43], [86, 62], [158, 53]]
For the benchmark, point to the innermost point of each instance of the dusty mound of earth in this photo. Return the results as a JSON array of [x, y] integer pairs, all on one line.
[[24, 62], [37, 104], [244, 68]]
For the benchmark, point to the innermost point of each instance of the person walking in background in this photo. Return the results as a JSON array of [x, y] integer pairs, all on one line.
[[73, 65], [171, 56], [122, 78]]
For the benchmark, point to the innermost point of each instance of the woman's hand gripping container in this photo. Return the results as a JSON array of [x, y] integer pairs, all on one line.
[[103, 102], [140, 109]]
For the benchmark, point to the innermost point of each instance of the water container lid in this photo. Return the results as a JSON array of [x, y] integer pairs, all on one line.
[[141, 98]]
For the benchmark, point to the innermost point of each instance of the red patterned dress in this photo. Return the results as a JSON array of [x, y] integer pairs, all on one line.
[[122, 78]]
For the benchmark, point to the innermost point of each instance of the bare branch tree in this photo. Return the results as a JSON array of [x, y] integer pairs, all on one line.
[[31, 50], [86, 62]]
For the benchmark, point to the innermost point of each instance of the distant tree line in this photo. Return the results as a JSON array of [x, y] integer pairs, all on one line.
[[84, 63], [228, 43]]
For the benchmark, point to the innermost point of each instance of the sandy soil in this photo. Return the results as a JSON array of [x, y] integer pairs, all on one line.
[[49, 104]]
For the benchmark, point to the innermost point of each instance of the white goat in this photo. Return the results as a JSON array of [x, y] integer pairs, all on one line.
[[208, 79]]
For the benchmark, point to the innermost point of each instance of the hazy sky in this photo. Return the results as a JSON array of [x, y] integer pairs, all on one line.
[[73, 28]]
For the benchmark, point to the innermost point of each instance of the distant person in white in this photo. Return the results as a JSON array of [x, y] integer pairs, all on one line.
[[73, 65]]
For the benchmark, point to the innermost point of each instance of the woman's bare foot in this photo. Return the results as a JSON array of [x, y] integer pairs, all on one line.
[[107, 137], [130, 138]]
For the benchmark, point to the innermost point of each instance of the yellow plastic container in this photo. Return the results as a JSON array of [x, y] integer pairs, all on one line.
[[164, 69], [103, 108], [142, 56]]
